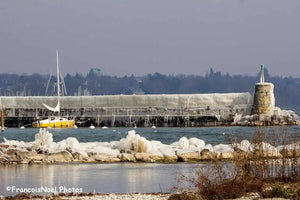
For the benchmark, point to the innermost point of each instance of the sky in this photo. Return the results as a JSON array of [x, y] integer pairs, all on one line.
[[138, 37]]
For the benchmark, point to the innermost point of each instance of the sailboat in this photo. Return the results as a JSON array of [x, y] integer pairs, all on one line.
[[55, 121]]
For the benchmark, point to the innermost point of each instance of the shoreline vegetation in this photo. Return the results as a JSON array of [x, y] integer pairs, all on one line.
[[253, 175], [266, 166]]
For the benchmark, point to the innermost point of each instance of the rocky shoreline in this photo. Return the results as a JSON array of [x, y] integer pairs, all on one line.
[[136, 149], [11, 155]]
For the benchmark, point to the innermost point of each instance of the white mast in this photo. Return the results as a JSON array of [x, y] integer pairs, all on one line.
[[58, 86], [57, 108]]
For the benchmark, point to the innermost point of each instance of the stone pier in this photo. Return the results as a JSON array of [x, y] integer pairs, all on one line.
[[264, 100]]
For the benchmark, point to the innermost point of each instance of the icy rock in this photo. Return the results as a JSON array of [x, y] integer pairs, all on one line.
[[175, 144], [104, 150], [12, 154], [168, 154], [191, 156], [237, 118], [131, 142], [143, 145], [114, 144], [225, 155], [244, 145], [208, 147], [196, 142], [184, 143], [135, 143], [131, 133], [3, 147], [74, 146], [19, 145], [4, 158], [35, 157], [263, 146], [126, 157], [220, 148], [60, 157], [79, 157], [147, 157], [167, 151], [193, 141], [105, 158], [43, 141], [140, 149], [72, 142], [60, 146], [207, 155], [25, 154], [156, 145], [289, 114]]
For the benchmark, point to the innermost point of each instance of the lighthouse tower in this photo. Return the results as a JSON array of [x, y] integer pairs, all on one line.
[[264, 100]]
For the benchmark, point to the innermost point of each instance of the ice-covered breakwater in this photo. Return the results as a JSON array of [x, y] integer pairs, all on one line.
[[132, 148], [180, 110], [165, 110]]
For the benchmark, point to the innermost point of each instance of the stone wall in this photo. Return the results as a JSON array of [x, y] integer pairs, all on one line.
[[264, 100]]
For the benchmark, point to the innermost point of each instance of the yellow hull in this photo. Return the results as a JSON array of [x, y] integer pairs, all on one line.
[[64, 124]]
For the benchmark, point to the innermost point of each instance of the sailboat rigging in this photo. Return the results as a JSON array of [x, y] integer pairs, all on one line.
[[58, 121]]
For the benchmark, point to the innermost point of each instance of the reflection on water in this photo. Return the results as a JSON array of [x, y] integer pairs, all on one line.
[[104, 178]]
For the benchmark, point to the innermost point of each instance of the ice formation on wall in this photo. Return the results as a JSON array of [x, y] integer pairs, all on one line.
[[278, 115], [161, 100], [216, 104]]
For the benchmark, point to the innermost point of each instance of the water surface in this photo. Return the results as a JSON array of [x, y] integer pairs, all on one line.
[[211, 135], [104, 178]]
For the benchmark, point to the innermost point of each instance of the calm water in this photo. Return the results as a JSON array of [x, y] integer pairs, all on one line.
[[104, 178], [214, 135]]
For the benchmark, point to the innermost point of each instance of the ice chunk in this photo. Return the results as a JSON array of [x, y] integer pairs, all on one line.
[[244, 145], [222, 148], [104, 150], [196, 142], [131, 133], [209, 147], [184, 143], [43, 141]]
